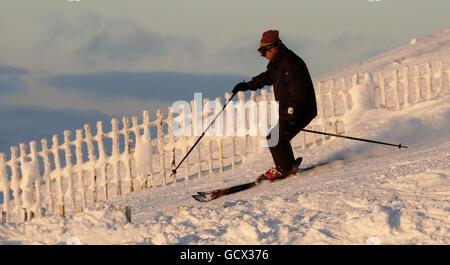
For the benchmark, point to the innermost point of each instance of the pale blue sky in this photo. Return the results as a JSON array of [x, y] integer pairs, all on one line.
[[47, 40], [204, 36]]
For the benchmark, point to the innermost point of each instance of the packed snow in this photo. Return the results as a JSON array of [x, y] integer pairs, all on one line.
[[349, 192]]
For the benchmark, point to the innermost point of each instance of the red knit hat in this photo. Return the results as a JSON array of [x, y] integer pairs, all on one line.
[[269, 37]]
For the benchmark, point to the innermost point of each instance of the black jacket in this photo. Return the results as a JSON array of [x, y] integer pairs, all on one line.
[[292, 84]]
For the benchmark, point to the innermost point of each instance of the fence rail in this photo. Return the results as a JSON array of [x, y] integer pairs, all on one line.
[[82, 170]]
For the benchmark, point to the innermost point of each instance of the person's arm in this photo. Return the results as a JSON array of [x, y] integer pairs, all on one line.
[[260, 81]]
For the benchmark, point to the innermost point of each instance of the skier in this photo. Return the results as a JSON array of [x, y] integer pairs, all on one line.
[[294, 91]]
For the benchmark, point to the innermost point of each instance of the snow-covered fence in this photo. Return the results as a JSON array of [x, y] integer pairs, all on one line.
[[340, 101], [70, 176], [407, 86], [335, 99], [88, 168]]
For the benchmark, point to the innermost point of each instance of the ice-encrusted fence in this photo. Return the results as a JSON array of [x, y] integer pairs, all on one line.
[[406, 86], [342, 100], [78, 172]]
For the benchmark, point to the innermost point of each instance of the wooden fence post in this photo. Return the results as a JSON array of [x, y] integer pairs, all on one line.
[[405, 81], [429, 80], [102, 158], [199, 160], [159, 123], [47, 170], [218, 125], [253, 122], [345, 95], [313, 137], [37, 183], [230, 126], [210, 156], [382, 85], [172, 142], [147, 137], [194, 130], [395, 89], [336, 128], [4, 187], [320, 101], [92, 161], [333, 97], [137, 132], [69, 167], [244, 123], [304, 144], [15, 181], [127, 151], [27, 165], [4, 217], [59, 181], [79, 163], [128, 213], [417, 83], [115, 155], [183, 138], [324, 138]]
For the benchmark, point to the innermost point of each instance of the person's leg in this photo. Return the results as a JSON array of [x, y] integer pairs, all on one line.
[[282, 155], [291, 152]]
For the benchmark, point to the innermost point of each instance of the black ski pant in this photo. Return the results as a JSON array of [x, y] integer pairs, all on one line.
[[281, 150]]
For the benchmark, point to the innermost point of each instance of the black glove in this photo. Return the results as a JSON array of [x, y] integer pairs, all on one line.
[[290, 123], [242, 86]]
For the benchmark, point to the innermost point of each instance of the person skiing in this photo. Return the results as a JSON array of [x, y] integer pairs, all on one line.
[[294, 90]]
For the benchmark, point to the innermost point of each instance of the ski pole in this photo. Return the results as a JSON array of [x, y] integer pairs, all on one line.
[[354, 138], [174, 171]]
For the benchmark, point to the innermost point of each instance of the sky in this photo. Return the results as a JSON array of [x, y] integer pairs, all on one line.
[[120, 57]]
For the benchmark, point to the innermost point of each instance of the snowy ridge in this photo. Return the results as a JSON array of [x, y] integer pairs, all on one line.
[[359, 193], [432, 48]]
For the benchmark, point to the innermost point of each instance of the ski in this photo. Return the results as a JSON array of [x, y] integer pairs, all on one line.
[[214, 194]]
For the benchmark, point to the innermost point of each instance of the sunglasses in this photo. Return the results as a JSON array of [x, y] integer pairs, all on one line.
[[263, 50]]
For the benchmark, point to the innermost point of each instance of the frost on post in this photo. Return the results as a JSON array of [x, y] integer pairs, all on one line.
[[30, 174], [143, 151]]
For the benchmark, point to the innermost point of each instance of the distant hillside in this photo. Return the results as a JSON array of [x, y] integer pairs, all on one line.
[[21, 124], [167, 86]]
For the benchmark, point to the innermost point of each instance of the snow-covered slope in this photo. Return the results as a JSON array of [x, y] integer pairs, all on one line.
[[357, 193], [431, 48]]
